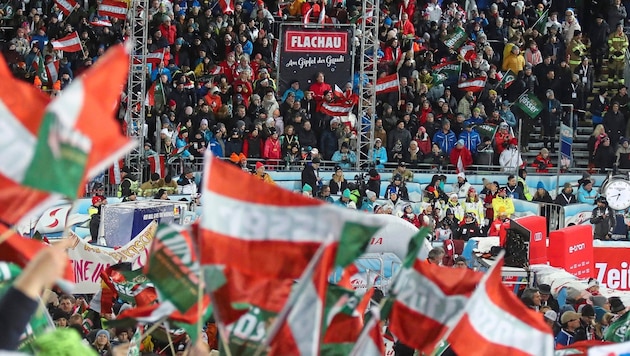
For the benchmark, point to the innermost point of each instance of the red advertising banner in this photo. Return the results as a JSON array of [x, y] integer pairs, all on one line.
[[316, 41], [611, 267], [571, 248]]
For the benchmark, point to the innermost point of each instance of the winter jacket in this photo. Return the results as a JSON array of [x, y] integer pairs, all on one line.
[[461, 189], [463, 154], [446, 141], [542, 164], [471, 140], [510, 160], [586, 197], [564, 199], [505, 203], [272, 150], [604, 220], [623, 157], [379, 158]]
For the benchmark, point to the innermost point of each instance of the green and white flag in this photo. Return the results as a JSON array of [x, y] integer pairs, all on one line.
[[619, 330], [134, 343], [530, 104], [455, 38], [507, 80], [8, 271]]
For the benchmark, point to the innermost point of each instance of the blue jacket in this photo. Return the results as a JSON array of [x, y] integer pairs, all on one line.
[[381, 155], [349, 163], [474, 120], [215, 147], [471, 140], [179, 143], [446, 141], [586, 197], [564, 338], [299, 94], [509, 117]]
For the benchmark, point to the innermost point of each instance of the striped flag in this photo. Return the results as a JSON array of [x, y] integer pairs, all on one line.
[[338, 92], [322, 15], [474, 84], [264, 251], [336, 108], [70, 43], [227, 7], [387, 84], [52, 71], [497, 323], [157, 164], [101, 23], [113, 8], [468, 52], [415, 321], [460, 165], [114, 172], [507, 80], [307, 16], [154, 58], [66, 6], [370, 342], [67, 145]]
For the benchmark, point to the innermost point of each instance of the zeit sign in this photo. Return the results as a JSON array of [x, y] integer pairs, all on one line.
[[316, 42]]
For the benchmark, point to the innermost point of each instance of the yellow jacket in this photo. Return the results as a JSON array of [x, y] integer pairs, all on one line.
[[513, 62], [506, 203], [265, 177]]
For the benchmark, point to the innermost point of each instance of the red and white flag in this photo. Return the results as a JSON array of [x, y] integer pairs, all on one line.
[[70, 43], [338, 92], [52, 71], [113, 8], [421, 324], [154, 58], [468, 52], [474, 85], [114, 172], [307, 16], [66, 6], [460, 165], [322, 15], [497, 323], [157, 163], [227, 6], [370, 342], [387, 84], [336, 108], [101, 23]]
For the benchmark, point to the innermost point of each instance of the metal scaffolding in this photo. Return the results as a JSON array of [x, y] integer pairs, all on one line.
[[367, 80], [137, 85]]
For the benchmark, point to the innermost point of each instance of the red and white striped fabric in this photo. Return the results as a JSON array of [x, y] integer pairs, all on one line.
[[114, 172], [387, 84], [239, 197], [307, 16], [227, 6], [101, 23], [468, 52], [418, 323], [66, 6], [154, 58], [113, 8], [52, 71], [157, 163], [24, 109], [497, 323], [474, 85], [370, 342], [336, 108], [70, 43]]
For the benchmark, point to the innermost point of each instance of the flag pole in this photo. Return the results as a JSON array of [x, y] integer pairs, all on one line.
[[525, 92], [169, 338], [296, 293], [544, 14]]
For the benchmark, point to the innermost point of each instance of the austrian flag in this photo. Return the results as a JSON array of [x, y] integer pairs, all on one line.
[[113, 8], [387, 84], [475, 84], [70, 43], [336, 109], [66, 6]]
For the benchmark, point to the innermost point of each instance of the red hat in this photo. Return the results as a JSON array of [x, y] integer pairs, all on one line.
[[259, 164], [472, 190], [97, 199], [172, 102]]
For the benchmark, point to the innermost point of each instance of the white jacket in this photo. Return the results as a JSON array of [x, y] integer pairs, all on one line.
[[510, 160]]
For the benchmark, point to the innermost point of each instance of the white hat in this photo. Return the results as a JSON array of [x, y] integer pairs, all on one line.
[[551, 315], [370, 194], [314, 151], [165, 131], [461, 175], [453, 195], [593, 283]]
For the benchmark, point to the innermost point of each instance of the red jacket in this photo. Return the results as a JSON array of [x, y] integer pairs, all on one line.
[[272, 150], [541, 164], [318, 90], [169, 32], [464, 153]]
